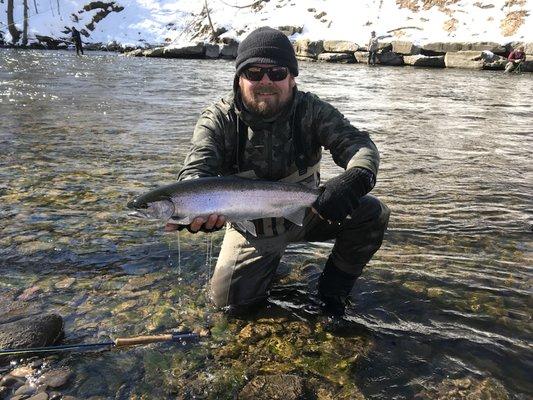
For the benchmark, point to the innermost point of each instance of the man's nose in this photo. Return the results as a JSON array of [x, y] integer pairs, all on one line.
[[265, 79]]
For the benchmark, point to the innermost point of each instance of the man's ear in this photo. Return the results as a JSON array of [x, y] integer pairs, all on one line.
[[292, 82]]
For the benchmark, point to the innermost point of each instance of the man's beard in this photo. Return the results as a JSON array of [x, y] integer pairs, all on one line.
[[265, 107]]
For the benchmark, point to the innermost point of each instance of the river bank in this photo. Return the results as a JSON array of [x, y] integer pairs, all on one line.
[[476, 55], [466, 55]]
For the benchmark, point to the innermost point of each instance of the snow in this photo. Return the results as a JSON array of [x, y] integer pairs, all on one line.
[[147, 21]]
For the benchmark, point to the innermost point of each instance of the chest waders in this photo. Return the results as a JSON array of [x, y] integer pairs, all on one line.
[[306, 175]]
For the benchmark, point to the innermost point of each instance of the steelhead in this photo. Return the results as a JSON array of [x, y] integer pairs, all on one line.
[[239, 200]]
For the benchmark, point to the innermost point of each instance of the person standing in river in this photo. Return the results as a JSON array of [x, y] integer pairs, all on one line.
[[268, 129], [373, 45], [76, 38]]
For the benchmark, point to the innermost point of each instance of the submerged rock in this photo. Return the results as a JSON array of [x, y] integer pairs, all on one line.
[[267, 387], [466, 388], [55, 378], [39, 331]]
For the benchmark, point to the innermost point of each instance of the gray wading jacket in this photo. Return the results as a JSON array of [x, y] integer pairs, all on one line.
[[270, 146], [275, 149]]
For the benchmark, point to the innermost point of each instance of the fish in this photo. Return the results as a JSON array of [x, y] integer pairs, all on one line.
[[240, 200]]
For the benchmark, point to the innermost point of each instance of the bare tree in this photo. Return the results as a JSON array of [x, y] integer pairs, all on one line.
[[213, 32], [15, 33], [25, 25]]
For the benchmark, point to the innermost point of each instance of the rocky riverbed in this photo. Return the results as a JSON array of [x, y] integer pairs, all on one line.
[[280, 353]]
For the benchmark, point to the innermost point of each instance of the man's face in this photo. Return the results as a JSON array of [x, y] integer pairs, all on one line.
[[266, 98]]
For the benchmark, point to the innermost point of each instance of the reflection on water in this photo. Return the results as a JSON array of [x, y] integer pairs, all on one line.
[[447, 296]]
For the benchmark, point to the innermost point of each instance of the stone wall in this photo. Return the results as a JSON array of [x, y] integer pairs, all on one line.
[[478, 55]]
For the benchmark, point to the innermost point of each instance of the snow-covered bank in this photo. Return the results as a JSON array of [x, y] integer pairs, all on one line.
[[146, 23]]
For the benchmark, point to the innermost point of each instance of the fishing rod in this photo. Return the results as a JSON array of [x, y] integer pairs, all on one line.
[[178, 337]]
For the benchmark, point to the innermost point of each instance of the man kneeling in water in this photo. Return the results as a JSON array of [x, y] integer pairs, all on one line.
[[267, 129]]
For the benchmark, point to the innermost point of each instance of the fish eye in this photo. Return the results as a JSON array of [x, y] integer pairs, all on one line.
[[136, 204]]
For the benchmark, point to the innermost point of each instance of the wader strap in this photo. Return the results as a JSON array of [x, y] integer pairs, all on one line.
[[242, 134], [297, 177]]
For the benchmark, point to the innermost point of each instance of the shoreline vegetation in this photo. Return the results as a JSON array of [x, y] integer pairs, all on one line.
[[467, 55]]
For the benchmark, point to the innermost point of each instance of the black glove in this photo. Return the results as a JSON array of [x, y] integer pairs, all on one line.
[[340, 195]]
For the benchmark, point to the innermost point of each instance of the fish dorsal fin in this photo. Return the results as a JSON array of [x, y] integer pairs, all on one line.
[[246, 226], [296, 217]]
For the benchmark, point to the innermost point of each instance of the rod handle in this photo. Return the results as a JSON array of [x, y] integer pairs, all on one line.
[[119, 342]]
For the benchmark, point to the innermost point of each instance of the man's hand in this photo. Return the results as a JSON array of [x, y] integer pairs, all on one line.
[[211, 224], [340, 195]]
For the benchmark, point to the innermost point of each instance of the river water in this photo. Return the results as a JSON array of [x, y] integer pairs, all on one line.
[[448, 296]]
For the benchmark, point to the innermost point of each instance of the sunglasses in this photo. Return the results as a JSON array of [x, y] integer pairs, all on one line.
[[275, 74]]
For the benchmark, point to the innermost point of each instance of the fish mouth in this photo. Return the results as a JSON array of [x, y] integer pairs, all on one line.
[[140, 210], [138, 214]]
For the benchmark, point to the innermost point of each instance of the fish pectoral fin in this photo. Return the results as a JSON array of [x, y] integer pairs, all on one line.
[[296, 217], [246, 226]]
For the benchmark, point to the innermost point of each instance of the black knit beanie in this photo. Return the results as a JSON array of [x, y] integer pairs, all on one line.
[[266, 46]]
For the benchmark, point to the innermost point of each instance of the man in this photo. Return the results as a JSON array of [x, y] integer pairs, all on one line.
[[76, 38], [373, 46], [516, 58], [267, 129]]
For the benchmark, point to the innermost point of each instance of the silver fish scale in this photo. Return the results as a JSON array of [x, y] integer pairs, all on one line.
[[240, 200]]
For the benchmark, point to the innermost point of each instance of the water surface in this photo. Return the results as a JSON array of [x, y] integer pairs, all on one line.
[[448, 295]]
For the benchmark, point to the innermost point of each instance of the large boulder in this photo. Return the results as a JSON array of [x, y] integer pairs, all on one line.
[[229, 50], [485, 46], [497, 65], [155, 52], [134, 53], [527, 66], [308, 48], [212, 51], [339, 46], [337, 58], [464, 59], [196, 51], [493, 61], [390, 58], [528, 48], [290, 30], [384, 47], [424, 61], [361, 56], [440, 48], [309, 59], [40, 331], [405, 48]]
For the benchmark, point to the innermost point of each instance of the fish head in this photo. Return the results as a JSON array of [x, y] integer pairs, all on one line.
[[160, 209]]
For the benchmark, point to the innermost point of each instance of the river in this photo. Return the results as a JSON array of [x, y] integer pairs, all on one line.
[[448, 296]]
